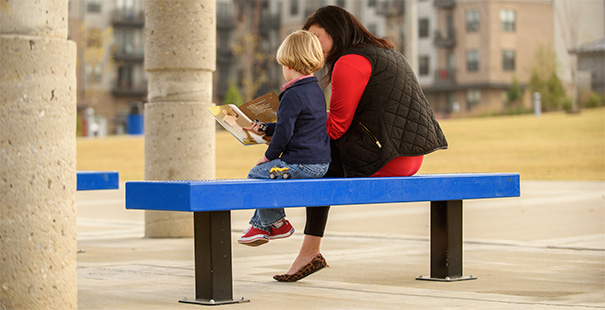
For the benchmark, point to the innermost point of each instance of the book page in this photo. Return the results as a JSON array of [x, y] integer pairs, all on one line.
[[232, 119], [263, 108]]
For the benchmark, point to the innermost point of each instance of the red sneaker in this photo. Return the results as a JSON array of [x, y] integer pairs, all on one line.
[[254, 237], [284, 231]]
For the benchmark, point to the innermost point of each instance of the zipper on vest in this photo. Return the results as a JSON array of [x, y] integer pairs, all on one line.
[[370, 134]]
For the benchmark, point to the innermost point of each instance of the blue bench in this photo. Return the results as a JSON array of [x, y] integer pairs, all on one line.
[[97, 180], [211, 202]]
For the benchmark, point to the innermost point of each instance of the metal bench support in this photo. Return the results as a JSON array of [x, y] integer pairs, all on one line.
[[213, 270], [446, 242]]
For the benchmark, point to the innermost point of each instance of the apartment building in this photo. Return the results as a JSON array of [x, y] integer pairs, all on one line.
[[276, 19], [110, 71], [579, 26], [464, 52], [110, 39], [480, 47], [426, 51]]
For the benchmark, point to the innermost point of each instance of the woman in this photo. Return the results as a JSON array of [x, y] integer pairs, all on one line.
[[379, 123]]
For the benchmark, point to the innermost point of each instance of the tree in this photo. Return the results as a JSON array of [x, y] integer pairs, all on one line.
[[233, 96], [248, 47], [394, 13], [544, 79], [514, 93]]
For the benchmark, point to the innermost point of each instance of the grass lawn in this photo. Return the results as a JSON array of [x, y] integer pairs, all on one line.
[[555, 146]]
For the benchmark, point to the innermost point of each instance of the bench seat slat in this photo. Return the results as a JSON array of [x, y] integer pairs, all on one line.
[[219, 195], [97, 180]]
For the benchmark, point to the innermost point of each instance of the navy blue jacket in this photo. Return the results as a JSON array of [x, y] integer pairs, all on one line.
[[300, 135]]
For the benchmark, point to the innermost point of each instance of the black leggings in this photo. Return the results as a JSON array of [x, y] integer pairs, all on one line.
[[317, 217]]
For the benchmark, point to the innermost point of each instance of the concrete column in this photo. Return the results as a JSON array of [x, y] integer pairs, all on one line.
[[37, 157], [180, 56]]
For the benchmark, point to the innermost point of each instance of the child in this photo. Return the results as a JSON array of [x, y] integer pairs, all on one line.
[[299, 139]]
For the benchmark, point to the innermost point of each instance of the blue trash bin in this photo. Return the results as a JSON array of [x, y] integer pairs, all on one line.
[[134, 120]]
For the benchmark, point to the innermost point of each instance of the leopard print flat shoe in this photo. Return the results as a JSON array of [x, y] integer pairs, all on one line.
[[316, 264]]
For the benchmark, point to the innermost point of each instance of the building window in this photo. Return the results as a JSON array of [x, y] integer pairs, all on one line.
[[372, 28], [472, 61], [293, 7], [93, 6], [473, 97], [125, 77], [372, 3], [424, 65], [472, 21], [97, 73], [508, 60], [423, 27], [340, 3], [508, 19]]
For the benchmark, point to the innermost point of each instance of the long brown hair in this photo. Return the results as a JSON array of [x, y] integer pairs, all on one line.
[[346, 32]]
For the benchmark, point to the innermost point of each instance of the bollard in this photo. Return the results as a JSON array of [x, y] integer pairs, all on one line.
[[537, 104]]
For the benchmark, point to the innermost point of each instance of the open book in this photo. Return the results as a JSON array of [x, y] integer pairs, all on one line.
[[233, 118]]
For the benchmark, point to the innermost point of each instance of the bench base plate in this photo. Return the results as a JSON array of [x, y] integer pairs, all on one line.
[[447, 279], [212, 302]]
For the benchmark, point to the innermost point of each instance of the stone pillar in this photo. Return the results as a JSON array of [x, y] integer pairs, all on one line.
[[180, 56], [37, 157]]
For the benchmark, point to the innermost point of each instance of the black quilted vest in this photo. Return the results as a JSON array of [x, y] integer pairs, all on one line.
[[393, 117]]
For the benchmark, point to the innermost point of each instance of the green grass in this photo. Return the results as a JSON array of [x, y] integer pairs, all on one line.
[[555, 146]]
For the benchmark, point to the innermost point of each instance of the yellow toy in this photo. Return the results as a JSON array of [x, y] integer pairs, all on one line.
[[275, 172]]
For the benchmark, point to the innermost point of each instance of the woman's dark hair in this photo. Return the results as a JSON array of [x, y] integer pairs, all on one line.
[[346, 32]]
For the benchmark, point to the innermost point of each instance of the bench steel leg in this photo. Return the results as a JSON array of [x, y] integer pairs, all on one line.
[[446, 242], [213, 272]]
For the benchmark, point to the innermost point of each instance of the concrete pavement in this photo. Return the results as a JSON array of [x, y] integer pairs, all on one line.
[[545, 250]]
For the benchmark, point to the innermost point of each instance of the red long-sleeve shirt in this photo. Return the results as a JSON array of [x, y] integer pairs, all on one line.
[[349, 79]]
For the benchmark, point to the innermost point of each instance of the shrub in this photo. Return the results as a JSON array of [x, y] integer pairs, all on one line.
[[593, 101], [233, 96]]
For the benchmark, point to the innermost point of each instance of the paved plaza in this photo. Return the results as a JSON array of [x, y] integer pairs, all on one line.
[[544, 250]]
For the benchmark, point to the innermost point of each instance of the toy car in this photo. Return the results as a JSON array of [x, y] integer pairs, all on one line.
[[275, 172]]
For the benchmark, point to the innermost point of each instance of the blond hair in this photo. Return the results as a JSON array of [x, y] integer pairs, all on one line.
[[301, 52]]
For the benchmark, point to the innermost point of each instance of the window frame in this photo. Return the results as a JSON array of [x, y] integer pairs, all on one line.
[[94, 6], [508, 62], [473, 60], [424, 65], [473, 21], [423, 32], [294, 7], [508, 20], [473, 98]]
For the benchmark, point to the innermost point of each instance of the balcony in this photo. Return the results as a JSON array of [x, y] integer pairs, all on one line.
[[444, 4], [445, 77], [391, 8], [128, 89], [445, 41], [121, 18], [269, 21], [123, 56], [225, 20]]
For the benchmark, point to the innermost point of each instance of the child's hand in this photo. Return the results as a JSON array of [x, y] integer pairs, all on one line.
[[257, 127], [262, 160]]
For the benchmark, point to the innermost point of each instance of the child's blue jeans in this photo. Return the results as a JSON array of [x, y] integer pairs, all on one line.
[[264, 218]]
